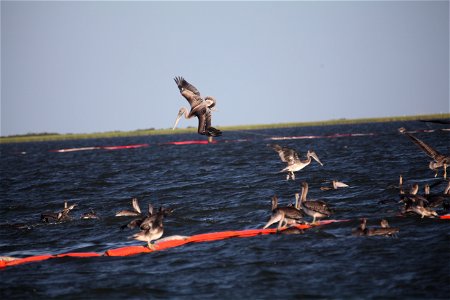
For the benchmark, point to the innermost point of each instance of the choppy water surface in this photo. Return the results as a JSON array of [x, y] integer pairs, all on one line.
[[224, 186]]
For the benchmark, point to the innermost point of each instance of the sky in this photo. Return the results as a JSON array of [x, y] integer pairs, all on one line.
[[82, 67]]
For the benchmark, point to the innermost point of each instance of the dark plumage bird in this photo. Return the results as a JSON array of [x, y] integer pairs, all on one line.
[[288, 215], [313, 208], [60, 216], [384, 230], [200, 108], [291, 158], [89, 215], [439, 160], [151, 226]]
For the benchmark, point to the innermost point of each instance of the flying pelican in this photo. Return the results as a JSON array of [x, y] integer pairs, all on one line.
[[201, 108], [313, 208], [440, 160], [284, 215], [290, 156]]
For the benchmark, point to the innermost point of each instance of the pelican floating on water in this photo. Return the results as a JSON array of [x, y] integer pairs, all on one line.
[[290, 156], [313, 208], [201, 108], [385, 229], [58, 216], [335, 185], [288, 215], [440, 160]]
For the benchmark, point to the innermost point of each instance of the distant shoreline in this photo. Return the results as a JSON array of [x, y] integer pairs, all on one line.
[[112, 134]]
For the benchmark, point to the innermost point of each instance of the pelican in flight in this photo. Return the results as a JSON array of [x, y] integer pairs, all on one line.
[[440, 160], [201, 108], [290, 156]]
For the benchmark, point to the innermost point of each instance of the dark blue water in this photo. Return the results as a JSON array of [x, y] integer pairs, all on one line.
[[223, 186]]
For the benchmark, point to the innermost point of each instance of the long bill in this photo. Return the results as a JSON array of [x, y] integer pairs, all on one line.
[[180, 114], [316, 158]]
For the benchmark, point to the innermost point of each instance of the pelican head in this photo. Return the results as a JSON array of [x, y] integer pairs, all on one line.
[[314, 155], [181, 112]]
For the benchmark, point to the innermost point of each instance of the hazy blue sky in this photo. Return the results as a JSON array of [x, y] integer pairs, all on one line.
[[72, 67]]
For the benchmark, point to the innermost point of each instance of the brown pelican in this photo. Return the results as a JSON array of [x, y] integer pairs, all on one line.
[[385, 230], [417, 204], [313, 208], [287, 215], [131, 213], [436, 200], [152, 226], [290, 156], [58, 216], [201, 108], [335, 186], [89, 215], [440, 160]]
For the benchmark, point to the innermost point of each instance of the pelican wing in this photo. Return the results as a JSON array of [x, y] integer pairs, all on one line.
[[183, 84], [189, 92], [431, 152], [286, 154], [135, 205]]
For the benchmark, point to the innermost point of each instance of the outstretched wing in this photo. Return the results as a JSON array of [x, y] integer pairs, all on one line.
[[189, 92], [431, 152], [183, 84], [286, 154]]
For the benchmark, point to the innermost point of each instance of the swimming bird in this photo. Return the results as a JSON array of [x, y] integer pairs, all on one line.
[[201, 108], [89, 215], [436, 200], [60, 216], [290, 156], [131, 213], [288, 215], [335, 185], [152, 226], [417, 204], [439, 160], [313, 208], [385, 230]]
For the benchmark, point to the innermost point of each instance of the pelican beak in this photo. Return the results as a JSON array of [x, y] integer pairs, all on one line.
[[314, 155], [180, 114]]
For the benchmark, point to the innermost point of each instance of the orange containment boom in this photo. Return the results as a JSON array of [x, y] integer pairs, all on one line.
[[164, 243]]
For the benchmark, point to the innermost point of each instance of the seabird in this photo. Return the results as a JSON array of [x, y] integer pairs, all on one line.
[[152, 226], [288, 215], [313, 208], [201, 108], [60, 216], [291, 158]]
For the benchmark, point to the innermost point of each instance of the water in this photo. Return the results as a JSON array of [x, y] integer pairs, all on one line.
[[223, 186]]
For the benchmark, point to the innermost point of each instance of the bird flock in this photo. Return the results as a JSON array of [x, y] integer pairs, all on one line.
[[151, 227]]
